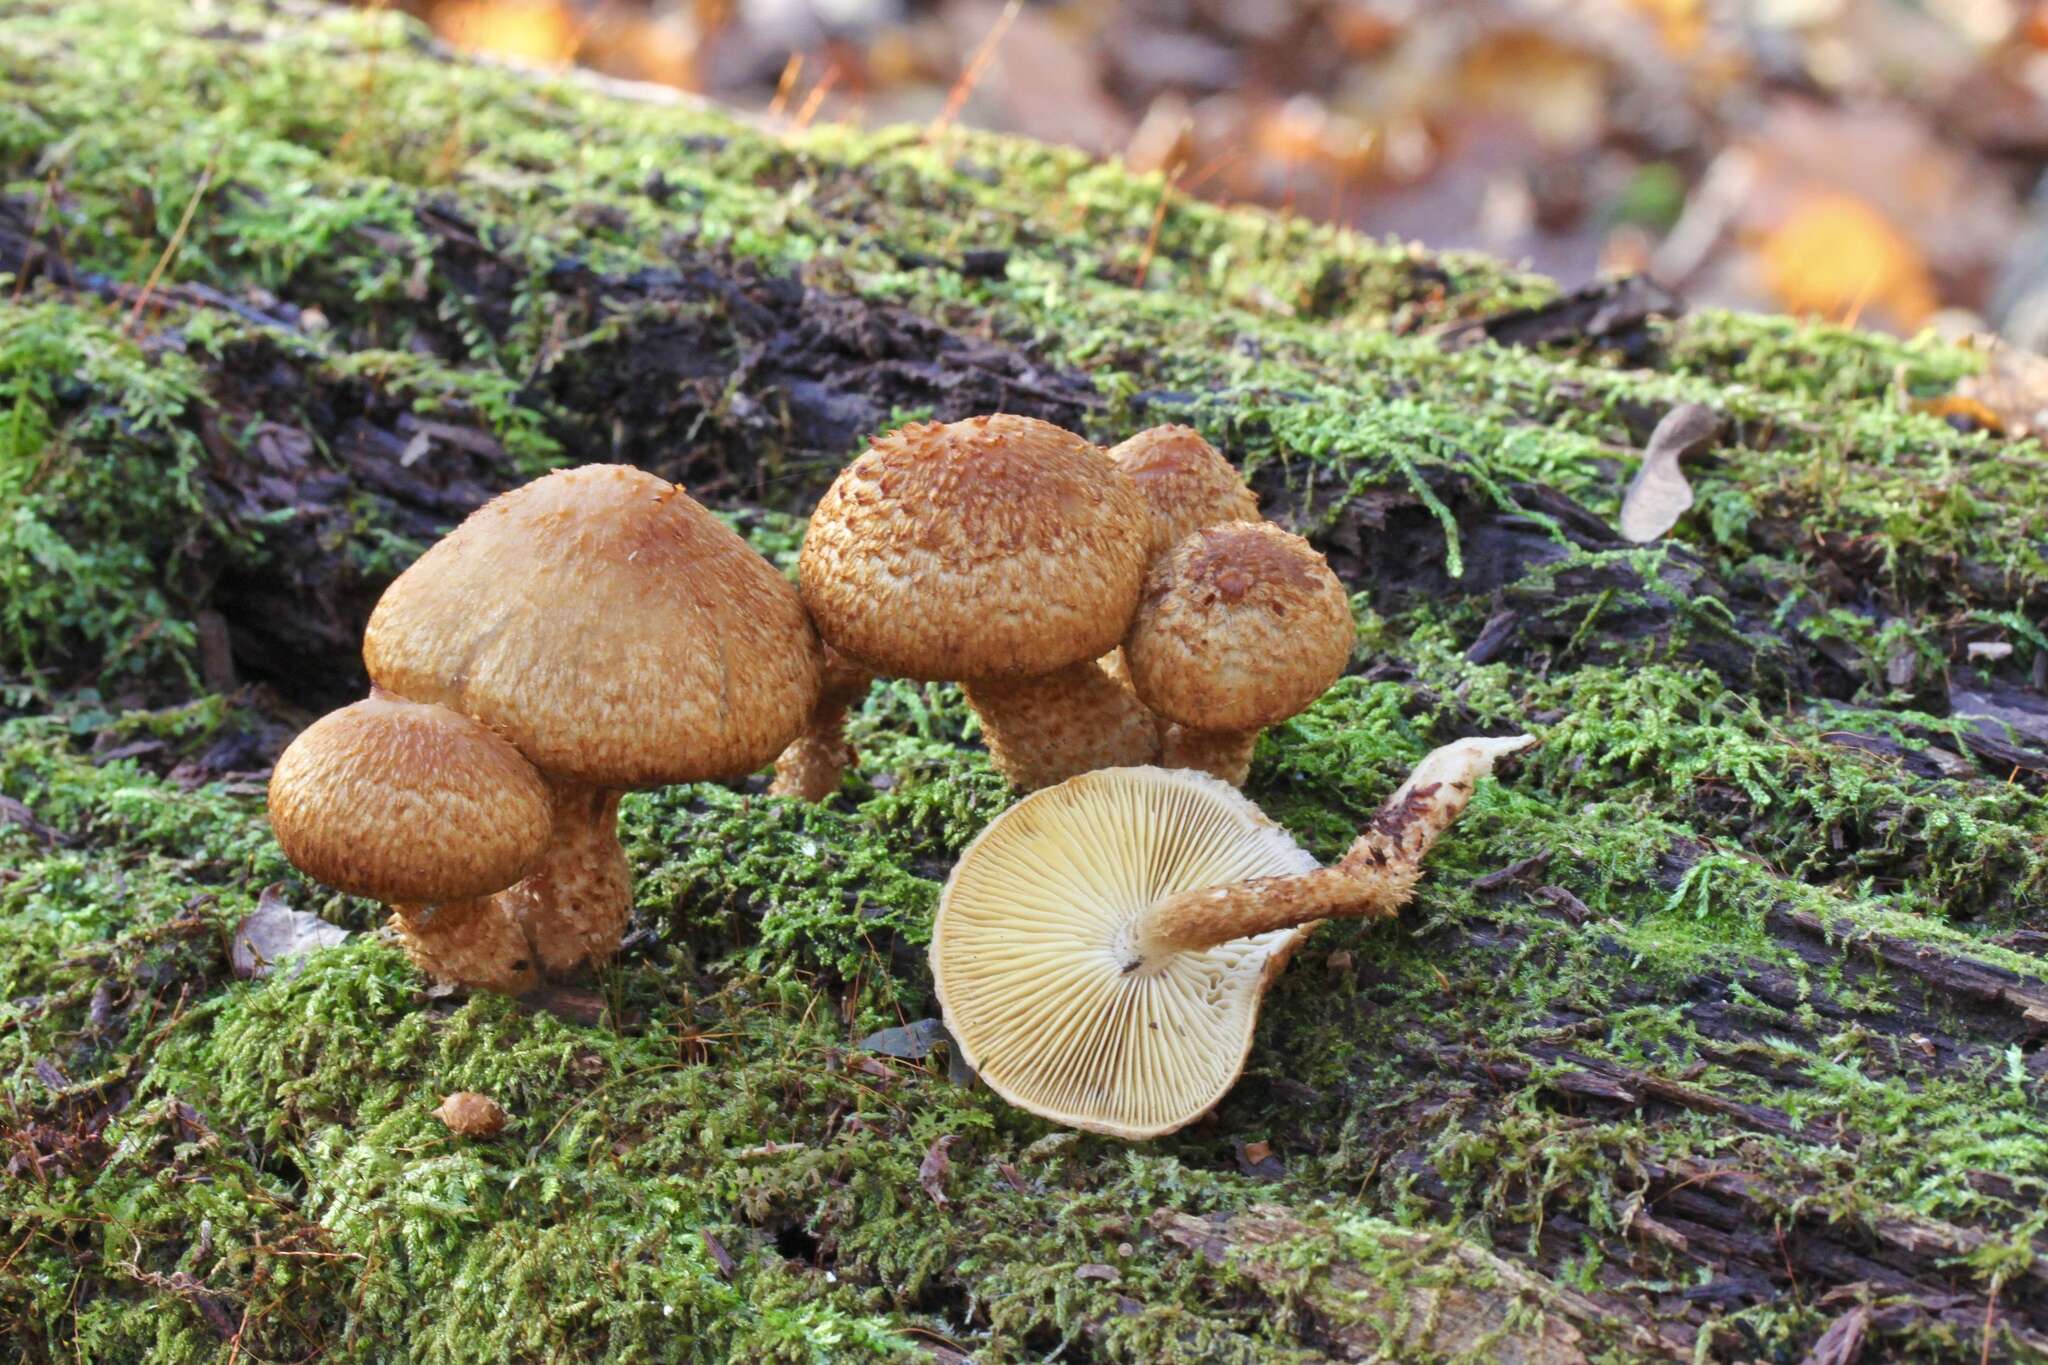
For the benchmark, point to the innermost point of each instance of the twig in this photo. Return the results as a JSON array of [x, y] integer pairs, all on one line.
[[42, 211], [977, 67], [786, 85], [1158, 221], [816, 98], [177, 240]]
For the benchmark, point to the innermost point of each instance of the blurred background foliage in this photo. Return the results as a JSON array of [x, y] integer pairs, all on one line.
[[1873, 161]]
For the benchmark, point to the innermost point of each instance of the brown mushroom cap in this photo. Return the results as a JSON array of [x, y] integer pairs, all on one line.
[[995, 547], [408, 803], [1186, 484], [609, 626], [1035, 936], [1242, 626]]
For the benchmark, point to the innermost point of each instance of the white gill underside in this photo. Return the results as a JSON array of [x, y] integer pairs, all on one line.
[[1034, 936]]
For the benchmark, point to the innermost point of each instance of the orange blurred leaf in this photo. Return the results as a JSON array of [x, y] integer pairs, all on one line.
[[1836, 256]]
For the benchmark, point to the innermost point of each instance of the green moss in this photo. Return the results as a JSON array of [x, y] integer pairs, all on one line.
[[206, 1161]]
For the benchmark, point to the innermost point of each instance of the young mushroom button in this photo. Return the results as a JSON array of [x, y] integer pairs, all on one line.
[[427, 811], [1242, 625], [1101, 950], [620, 637], [1000, 552]]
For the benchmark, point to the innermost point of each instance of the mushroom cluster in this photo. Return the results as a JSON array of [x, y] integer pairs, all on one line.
[[1099, 608], [593, 632]]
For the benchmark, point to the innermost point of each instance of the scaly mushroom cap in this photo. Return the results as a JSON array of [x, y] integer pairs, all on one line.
[[1034, 936], [995, 547], [610, 627], [1242, 625], [1186, 484], [408, 803]]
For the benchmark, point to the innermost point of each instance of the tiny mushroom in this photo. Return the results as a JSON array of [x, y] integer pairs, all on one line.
[[468, 1113], [1102, 949], [1241, 626], [1001, 552], [618, 636], [424, 809]]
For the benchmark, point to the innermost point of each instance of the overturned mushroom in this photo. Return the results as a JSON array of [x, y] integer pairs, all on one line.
[[618, 636], [426, 810], [1001, 552], [1241, 626], [1101, 950]]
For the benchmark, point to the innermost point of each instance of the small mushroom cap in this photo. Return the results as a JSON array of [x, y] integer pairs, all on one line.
[[1186, 484], [995, 547], [1034, 935], [408, 803], [469, 1113], [1242, 626], [609, 626]]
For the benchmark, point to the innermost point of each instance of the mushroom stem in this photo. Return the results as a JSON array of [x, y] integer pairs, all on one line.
[[1220, 753], [811, 767], [1373, 879], [476, 943], [574, 904], [570, 910], [1048, 728]]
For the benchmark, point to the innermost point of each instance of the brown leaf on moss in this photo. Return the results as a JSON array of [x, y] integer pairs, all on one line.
[[275, 931], [936, 1166], [2010, 397], [1660, 494]]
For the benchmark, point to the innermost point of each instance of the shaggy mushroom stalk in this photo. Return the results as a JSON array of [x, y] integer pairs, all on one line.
[[1046, 728], [811, 768], [1373, 879], [573, 905]]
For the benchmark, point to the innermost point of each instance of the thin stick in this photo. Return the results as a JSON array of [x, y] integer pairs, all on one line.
[[1158, 221], [42, 211], [816, 98], [786, 86], [177, 240], [977, 67]]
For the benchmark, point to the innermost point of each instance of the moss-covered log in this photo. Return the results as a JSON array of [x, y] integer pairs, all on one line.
[[1716, 1031]]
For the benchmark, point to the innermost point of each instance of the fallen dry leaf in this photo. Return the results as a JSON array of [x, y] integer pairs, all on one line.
[[936, 1166], [470, 1114], [1108, 1274], [1659, 494], [274, 931], [716, 1248], [2010, 397]]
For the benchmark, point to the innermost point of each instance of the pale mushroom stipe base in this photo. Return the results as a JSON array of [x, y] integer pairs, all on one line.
[[1102, 948]]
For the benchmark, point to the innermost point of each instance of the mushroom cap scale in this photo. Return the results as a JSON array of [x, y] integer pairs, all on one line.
[[1032, 949], [996, 547], [609, 626], [408, 803], [1242, 625], [1185, 482]]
